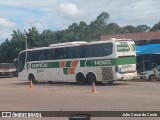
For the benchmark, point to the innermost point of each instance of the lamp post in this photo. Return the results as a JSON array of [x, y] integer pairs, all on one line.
[[26, 42]]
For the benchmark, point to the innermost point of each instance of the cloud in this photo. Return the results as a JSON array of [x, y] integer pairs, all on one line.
[[6, 24], [6, 28], [5, 33], [59, 14], [41, 24], [70, 10], [134, 12]]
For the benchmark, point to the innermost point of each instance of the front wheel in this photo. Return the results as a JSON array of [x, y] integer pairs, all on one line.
[[31, 77], [151, 77]]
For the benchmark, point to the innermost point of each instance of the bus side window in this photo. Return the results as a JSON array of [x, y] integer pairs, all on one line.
[[64, 53], [45, 55], [73, 52], [108, 48], [102, 50], [83, 51], [61, 53], [52, 55], [33, 56], [40, 55], [91, 51]]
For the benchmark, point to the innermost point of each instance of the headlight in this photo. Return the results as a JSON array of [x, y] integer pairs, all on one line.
[[143, 73]]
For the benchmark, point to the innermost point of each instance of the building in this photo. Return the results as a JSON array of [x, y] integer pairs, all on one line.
[[139, 38], [144, 61]]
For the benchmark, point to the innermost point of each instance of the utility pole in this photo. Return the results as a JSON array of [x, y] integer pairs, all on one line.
[[26, 42]]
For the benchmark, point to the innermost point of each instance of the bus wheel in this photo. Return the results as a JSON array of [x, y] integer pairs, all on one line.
[[91, 78], [31, 77], [80, 78], [151, 77]]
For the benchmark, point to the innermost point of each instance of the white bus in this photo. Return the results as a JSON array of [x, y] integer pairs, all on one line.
[[100, 61]]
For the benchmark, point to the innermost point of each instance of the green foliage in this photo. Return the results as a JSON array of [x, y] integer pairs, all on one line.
[[156, 27], [142, 28], [10, 49]]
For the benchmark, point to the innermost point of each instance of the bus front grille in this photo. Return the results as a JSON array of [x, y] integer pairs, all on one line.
[[107, 73]]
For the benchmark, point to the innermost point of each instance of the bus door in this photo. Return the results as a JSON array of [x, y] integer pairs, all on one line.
[[22, 69]]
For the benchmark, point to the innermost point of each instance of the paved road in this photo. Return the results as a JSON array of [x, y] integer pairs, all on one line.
[[135, 95]]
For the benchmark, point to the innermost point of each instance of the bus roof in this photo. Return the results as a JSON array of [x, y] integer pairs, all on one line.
[[110, 40], [68, 44], [115, 39]]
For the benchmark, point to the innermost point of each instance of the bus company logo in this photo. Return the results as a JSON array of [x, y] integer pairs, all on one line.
[[124, 48], [39, 65], [69, 66]]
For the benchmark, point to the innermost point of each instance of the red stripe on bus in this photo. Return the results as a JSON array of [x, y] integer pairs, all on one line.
[[74, 63], [63, 64], [71, 71]]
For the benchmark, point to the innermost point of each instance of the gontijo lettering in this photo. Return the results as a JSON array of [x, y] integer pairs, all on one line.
[[39, 65]]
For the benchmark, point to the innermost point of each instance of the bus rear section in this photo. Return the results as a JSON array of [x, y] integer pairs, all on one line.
[[125, 68]]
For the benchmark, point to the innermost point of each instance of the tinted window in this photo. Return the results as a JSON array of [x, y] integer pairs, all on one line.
[[51, 54], [73, 52], [83, 51], [32, 55], [97, 50], [61, 53]]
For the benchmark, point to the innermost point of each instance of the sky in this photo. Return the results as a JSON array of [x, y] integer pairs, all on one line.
[[59, 14]]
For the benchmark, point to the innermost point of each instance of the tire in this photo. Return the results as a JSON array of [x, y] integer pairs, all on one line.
[[50, 82], [31, 77], [80, 78], [16, 74], [151, 77], [91, 78]]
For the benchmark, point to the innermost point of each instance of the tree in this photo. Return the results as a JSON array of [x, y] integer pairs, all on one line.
[[32, 37], [97, 26], [102, 19], [6, 52], [47, 37], [142, 28], [112, 28], [128, 29], [156, 27]]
